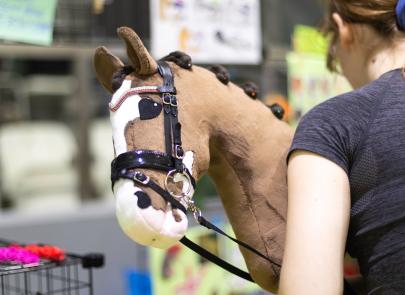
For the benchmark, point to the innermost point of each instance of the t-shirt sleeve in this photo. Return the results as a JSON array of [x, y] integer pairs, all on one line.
[[328, 130]]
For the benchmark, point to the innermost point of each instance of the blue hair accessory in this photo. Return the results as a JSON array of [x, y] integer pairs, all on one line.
[[400, 11]]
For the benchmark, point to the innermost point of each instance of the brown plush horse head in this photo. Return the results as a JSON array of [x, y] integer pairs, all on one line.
[[236, 139]]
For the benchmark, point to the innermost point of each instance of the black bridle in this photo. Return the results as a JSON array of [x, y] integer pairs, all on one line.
[[125, 165]]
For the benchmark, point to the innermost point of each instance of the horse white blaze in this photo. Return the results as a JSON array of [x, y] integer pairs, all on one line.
[[148, 227]]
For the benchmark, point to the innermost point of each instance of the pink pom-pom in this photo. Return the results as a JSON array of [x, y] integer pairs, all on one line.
[[17, 255]]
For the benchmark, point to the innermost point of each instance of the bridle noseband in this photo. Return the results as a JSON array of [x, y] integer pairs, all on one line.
[[171, 162]]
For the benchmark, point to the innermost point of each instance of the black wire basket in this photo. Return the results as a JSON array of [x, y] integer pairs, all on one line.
[[72, 276]]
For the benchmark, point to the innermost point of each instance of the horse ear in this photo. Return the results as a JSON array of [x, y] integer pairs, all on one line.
[[142, 62], [105, 65]]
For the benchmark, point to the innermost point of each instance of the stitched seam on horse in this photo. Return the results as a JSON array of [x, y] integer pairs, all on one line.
[[252, 212]]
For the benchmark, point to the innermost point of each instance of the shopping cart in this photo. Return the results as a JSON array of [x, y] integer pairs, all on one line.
[[71, 276]]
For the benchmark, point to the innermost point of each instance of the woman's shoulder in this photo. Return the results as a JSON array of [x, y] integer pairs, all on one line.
[[334, 128], [355, 106]]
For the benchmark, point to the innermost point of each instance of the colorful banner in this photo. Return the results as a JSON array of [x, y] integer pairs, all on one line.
[[309, 80], [180, 271], [211, 31], [29, 21]]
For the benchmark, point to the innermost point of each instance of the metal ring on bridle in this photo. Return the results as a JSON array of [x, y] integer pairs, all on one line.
[[172, 173]]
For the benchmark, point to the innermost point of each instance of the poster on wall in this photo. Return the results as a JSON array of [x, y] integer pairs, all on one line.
[[309, 80], [211, 31], [27, 21], [180, 271]]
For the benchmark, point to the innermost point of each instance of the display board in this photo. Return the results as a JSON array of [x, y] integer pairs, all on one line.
[[27, 21], [211, 31], [309, 80], [179, 271]]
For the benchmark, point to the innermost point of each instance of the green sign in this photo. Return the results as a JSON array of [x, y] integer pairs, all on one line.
[[309, 40], [310, 82], [29, 21], [180, 271]]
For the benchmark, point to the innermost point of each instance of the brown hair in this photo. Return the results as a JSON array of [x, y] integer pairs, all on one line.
[[379, 14]]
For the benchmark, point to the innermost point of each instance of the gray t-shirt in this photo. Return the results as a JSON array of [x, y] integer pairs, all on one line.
[[363, 132]]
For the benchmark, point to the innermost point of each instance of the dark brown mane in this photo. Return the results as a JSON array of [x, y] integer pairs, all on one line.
[[184, 61], [119, 76], [221, 73], [181, 59]]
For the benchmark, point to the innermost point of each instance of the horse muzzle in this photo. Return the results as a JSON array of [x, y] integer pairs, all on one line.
[[144, 224]]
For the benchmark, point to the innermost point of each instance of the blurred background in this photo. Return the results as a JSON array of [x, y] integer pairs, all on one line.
[[55, 136]]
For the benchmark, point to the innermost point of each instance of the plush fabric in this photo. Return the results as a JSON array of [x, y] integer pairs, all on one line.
[[234, 138], [139, 56]]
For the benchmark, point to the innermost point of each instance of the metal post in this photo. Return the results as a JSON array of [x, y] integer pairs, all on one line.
[[82, 99], [90, 281]]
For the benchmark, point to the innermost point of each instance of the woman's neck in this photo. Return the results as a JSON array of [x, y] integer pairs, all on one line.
[[386, 58]]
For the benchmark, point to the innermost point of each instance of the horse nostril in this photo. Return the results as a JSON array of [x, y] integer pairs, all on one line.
[[143, 200], [177, 215]]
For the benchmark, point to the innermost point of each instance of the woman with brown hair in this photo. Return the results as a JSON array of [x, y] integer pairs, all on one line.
[[346, 171]]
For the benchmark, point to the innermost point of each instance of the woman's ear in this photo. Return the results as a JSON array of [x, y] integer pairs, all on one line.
[[345, 30]]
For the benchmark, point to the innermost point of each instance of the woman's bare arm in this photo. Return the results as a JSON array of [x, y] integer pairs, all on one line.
[[317, 224]]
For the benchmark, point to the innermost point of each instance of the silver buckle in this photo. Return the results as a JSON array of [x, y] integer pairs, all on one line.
[[194, 209], [145, 181], [173, 101], [166, 98], [176, 147]]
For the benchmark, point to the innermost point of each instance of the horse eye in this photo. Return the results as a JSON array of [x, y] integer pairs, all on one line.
[[149, 109]]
